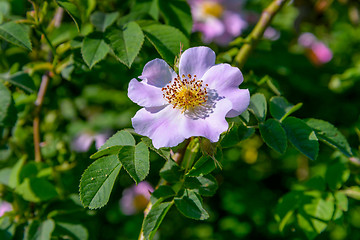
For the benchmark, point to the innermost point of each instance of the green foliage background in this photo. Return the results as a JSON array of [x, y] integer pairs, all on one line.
[[277, 180]]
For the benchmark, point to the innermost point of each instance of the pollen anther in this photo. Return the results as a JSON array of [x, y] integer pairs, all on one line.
[[185, 93]]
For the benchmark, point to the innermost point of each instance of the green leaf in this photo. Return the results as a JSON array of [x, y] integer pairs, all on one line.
[[40, 230], [302, 136], [36, 190], [14, 179], [171, 172], [154, 218], [98, 180], [178, 14], [274, 135], [280, 108], [73, 10], [135, 161], [203, 166], [258, 106], [94, 49], [306, 225], [166, 40], [75, 231], [163, 152], [144, 8], [15, 34], [126, 42], [8, 112], [114, 144], [336, 175], [190, 205], [205, 185], [286, 208], [330, 135], [103, 20], [162, 193], [20, 79]]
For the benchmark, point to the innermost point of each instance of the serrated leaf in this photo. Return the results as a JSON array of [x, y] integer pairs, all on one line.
[[205, 185], [72, 10], [177, 14], [15, 34], [8, 112], [203, 166], [94, 49], [103, 20], [166, 40], [190, 205], [40, 230], [98, 180], [280, 108], [36, 190], [126, 42], [258, 106], [301, 136], [171, 172], [336, 175], [274, 135], [154, 218], [329, 134], [135, 161], [114, 144]]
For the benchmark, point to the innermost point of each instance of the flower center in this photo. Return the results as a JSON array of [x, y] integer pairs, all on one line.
[[185, 93], [212, 9]]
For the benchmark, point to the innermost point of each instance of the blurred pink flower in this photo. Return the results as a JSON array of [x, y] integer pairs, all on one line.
[[220, 21], [84, 140], [135, 198], [5, 207], [317, 51]]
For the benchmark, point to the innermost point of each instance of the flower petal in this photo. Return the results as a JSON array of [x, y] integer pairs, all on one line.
[[240, 99], [162, 125], [196, 61], [225, 80], [212, 126], [145, 95], [157, 73]]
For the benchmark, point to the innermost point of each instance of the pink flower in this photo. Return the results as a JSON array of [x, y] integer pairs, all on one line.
[[194, 102], [84, 140], [317, 51], [5, 207], [219, 20], [135, 198]]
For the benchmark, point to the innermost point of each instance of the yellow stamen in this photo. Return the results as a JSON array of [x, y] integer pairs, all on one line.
[[212, 9], [185, 93]]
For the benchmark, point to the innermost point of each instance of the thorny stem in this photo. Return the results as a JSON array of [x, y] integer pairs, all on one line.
[[258, 31], [178, 158]]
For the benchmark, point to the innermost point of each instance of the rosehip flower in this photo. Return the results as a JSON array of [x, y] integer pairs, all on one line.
[[84, 140], [194, 102], [219, 20], [5, 207], [135, 198], [317, 51]]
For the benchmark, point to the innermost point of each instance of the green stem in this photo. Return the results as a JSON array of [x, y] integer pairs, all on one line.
[[258, 31]]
